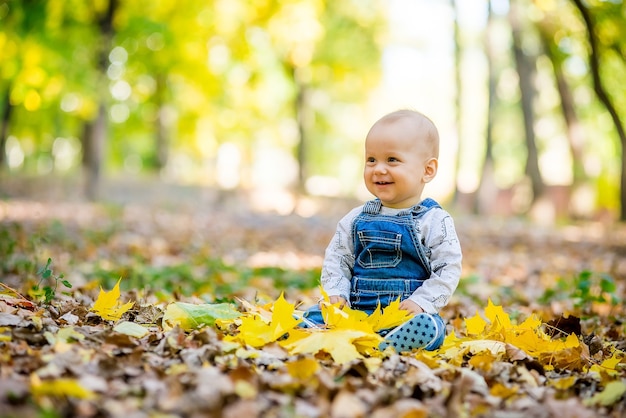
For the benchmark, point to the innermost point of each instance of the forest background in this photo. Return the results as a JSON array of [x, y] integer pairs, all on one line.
[[276, 97]]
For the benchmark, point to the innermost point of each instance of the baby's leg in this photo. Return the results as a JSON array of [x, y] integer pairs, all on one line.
[[422, 331], [312, 317]]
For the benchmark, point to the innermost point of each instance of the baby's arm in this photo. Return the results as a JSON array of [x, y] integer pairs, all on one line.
[[409, 305], [439, 234], [338, 299], [339, 260]]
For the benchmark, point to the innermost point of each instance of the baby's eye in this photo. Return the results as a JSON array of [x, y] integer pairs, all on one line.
[[393, 160], [370, 159]]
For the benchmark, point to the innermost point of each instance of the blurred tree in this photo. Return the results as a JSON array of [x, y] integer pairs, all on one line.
[[22, 26], [551, 35], [605, 36], [203, 91], [458, 98], [330, 52], [95, 131], [525, 67], [487, 188], [161, 55]]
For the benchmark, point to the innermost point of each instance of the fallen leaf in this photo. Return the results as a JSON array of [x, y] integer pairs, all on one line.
[[191, 316], [108, 306], [60, 387], [256, 332], [303, 368], [496, 315], [563, 383], [564, 325], [612, 392], [131, 329], [475, 325], [503, 391], [389, 317], [339, 343], [608, 366], [495, 348]]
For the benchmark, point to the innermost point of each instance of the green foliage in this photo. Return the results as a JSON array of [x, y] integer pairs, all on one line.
[[195, 76], [48, 291], [14, 245], [584, 289], [212, 279]]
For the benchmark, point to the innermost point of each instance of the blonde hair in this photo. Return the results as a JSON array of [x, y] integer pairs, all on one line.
[[423, 127]]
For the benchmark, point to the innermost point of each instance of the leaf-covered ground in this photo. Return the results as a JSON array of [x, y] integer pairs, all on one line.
[[536, 327]]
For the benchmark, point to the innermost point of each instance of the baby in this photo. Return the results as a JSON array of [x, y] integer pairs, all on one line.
[[396, 245]]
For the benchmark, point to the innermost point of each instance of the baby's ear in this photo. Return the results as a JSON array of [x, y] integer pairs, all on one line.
[[430, 169]]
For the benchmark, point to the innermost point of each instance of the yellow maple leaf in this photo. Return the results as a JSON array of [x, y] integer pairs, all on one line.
[[390, 317], [563, 383], [59, 387], [502, 391], [529, 340], [335, 315], [496, 315], [608, 366], [475, 325], [568, 354], [345, 318], [516, 341], [303, 368], [341, 344], [612, 393], [257, 332], [482, 361], [531, 323], [108, 305], [430, 358]]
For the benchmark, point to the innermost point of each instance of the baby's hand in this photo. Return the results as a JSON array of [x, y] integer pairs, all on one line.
[[409, 305], [337, 299]]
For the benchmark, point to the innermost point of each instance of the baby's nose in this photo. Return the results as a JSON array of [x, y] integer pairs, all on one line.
[[380, 168]]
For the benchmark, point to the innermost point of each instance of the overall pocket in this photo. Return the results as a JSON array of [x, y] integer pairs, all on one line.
[[366, 294], [380, 249]]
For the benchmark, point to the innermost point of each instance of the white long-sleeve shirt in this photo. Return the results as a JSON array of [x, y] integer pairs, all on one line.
[[437, 234]]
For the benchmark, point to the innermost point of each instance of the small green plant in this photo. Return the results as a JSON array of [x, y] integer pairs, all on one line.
[[584, 289], [48, 292]]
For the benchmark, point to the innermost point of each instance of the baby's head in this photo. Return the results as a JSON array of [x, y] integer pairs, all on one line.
[[416, 128], [401, 151]]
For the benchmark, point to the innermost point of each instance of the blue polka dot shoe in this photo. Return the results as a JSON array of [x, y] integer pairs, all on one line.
[[419, 331]]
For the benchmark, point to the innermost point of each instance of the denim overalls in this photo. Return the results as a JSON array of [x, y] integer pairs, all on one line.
[[390, 261]]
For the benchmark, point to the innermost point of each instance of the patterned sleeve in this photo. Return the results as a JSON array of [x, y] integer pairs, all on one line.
[[444, 250], [339, 258]]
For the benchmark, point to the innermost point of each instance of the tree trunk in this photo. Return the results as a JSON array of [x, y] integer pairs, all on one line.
[[4, 129], [458, 99], [94, 139], [161, 142], [487, 189], [574, 130], [526, 71], [303, 120], [95, 133], [601, 93]]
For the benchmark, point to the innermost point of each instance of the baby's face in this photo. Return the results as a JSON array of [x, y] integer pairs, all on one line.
[[397, 160]]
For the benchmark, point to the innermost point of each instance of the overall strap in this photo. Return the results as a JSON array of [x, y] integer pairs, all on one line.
[[429, 203], [424, 206], [372, 207]]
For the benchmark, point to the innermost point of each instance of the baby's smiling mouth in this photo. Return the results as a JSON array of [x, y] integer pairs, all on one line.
[[382, 183]]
